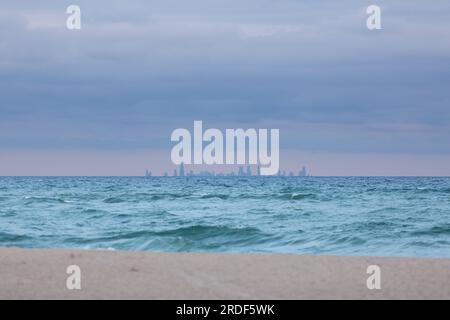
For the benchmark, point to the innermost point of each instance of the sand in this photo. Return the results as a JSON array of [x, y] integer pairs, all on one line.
[[41, 274]]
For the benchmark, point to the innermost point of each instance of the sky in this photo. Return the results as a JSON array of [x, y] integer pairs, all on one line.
[[105, 99]]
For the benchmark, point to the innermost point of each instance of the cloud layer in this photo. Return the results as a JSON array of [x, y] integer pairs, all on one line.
[[139, 69]]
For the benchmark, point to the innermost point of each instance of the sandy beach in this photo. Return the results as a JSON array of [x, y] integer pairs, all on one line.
[[41, 274]]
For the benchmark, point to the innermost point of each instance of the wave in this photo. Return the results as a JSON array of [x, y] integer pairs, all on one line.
[[8, 213], [43, 200], [203, 230], [200, 236], [113, 200], [373, 225], [391, 210], [215, 196], [94, 211], [410, 189], [433, 231], [262, 211], [426, 190], [349, 240], [8, 237], [151, 197], [296, 196], [197, 232], [145, 197]]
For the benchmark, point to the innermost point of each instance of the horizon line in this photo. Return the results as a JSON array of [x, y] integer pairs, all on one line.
[[223, 176]]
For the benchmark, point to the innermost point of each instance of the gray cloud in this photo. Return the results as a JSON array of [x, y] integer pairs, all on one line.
[[139, 69]]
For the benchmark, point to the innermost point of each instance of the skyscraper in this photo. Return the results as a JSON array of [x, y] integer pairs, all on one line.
[[181, 170], [302, 172]]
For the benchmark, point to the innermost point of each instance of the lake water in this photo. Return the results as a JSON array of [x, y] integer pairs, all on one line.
[[338, 216]]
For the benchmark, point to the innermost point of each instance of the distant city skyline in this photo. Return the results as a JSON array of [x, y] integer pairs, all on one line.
[[242, 171]]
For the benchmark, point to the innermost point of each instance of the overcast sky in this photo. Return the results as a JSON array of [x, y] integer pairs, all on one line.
[[105, 99]]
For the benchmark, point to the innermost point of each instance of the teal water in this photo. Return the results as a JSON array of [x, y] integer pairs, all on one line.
[[344, 216]]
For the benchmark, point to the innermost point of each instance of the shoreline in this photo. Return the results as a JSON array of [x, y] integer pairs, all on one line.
[[41, 274]]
